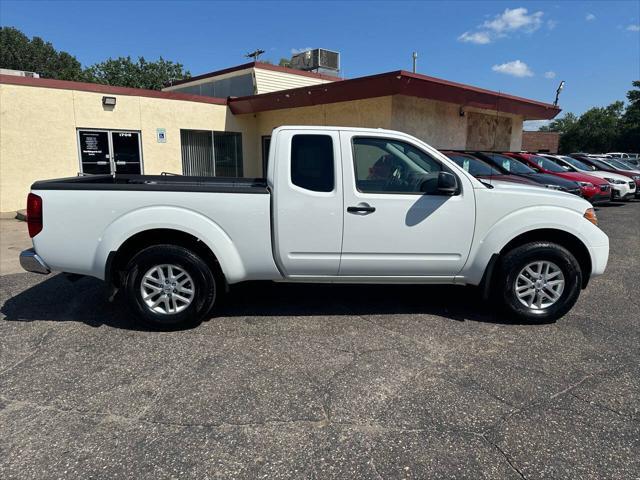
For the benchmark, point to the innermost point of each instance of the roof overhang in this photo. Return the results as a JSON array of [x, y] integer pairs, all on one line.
[[395, 83], [109, 89]]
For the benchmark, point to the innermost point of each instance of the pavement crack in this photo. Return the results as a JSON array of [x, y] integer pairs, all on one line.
[[565, 391], [375, 470], [480, 387], [627, 416], [506, 457], [572, 386], [35, 351]]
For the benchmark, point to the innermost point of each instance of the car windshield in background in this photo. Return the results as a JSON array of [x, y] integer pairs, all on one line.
[[547, 164], [600, 164], [510, 164], [474, 166], [618, 164], [577, 163]]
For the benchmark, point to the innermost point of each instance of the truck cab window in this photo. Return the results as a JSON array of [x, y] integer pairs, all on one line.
[[312, 162], [385, 165]]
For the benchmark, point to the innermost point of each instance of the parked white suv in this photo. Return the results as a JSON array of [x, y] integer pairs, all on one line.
[[338, 205], [622, 187]]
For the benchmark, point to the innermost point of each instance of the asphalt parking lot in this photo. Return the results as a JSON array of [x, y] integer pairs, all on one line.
[[319, 381]]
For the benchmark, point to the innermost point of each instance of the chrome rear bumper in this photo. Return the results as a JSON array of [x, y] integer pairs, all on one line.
[[31, 262]]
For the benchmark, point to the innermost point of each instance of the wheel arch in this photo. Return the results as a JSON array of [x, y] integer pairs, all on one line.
[[117, 259], [166, 225], [563, 238]]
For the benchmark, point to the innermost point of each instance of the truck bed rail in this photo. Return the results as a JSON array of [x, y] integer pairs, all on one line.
[[163, 183]]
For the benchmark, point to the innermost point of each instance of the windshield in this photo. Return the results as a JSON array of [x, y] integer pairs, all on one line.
[[600, 165], [510, 164], [474, 166], [547, 164], [577, 164], [618, 164]]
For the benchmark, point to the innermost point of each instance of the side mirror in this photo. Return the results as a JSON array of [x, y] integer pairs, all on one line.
[[447, 184]]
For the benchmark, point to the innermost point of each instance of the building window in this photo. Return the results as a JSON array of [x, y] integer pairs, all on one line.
[[211, 154], [312, 163], [109, 151]]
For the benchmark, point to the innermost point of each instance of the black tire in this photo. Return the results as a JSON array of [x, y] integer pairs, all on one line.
[[203, 281], [512, 264]]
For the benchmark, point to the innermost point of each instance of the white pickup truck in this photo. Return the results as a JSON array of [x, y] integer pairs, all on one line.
[[338, 205]]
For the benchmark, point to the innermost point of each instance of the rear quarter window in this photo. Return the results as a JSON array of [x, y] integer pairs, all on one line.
[[312, 162]]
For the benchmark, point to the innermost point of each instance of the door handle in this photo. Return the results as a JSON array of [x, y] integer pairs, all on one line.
[[361, 209]]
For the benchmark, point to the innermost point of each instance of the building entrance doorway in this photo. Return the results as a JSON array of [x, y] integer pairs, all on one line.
[[109, 151]]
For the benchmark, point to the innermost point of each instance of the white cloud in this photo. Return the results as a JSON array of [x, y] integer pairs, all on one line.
[[590, 17], [550, 74], [551, 24], [295, 51], [634, 28], [480, 38], [515, 68], [501, 25], [516, 19]]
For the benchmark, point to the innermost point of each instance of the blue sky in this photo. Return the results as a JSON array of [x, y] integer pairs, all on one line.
[[522, 48]]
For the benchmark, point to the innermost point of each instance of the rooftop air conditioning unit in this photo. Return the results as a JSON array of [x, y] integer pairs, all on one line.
[[317, 59], [18, 73]]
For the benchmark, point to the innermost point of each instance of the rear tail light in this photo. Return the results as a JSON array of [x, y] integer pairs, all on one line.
[[34, 214]]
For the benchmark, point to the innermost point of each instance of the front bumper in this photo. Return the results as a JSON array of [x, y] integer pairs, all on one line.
[[623, 195], [31, 262], [599, 259], [600, 197]]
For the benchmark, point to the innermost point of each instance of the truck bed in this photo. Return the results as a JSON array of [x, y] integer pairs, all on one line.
[[163, 183]]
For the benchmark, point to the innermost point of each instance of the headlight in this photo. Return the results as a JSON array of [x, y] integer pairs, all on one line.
[[590, 215], [554, 187], [586, 184], [615, 181]]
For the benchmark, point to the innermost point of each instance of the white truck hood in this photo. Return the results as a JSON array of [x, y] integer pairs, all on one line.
[[542, 195]]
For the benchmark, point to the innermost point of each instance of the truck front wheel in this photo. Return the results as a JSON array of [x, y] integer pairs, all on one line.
[[169, 287], [539, 282]]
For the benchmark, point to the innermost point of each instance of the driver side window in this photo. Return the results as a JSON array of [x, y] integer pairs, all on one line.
[[385, 165]]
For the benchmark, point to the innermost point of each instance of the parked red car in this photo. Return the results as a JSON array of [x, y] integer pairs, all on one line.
[[594, 189]]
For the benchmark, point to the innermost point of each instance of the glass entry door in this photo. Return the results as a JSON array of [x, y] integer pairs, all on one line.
[[126, 152], [109, 151], [95, 152]]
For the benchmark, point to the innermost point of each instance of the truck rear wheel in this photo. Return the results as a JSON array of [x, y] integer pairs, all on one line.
[[169, 287], [539, 282]]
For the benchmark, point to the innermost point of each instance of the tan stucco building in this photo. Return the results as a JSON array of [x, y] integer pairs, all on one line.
[[51, 128]]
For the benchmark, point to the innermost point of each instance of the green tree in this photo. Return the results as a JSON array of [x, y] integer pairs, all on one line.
[[561, 125], [18, 52], [596, 130], [284, 62], [630, 122], [602, 129], [124, 72]]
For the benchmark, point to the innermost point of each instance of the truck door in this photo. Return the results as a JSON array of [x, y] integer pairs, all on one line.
[[307, 202], [391, 226]]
